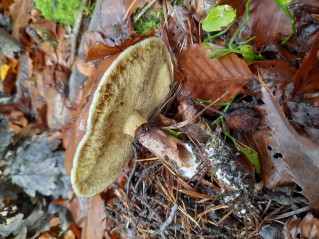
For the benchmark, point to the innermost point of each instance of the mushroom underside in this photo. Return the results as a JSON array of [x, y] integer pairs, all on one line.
[[137, 81]]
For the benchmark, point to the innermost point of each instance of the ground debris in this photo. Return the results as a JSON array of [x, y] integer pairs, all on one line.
[[237, 186]]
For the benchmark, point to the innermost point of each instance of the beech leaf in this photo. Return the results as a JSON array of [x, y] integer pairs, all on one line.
[[211, 78], [299, 153]]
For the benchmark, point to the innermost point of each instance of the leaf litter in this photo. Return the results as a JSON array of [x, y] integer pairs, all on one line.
[[226, 198]]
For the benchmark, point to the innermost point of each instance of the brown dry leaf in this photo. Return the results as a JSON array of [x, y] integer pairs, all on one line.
[[299, 153], [20, 14], [262, 27], [306, 79], [112, 22], [100, 50], [95, 225], [200, 8], [274, 173], [292, 229], [83, 67], [308, 228], [6, 4], [181, 30], [78, 207], [211, 78]]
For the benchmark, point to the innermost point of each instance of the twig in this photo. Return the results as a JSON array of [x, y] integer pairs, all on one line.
[[168, 221], [289, 214], [129, 179]]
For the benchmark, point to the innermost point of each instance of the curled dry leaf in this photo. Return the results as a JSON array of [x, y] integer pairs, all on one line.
[[307, 228], [306, 80], [211, 78], [299, 153]]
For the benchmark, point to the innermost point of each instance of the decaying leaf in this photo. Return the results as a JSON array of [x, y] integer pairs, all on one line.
[[15, 227], [199, 8], [259, 25], [37, 168], [299, 153], [306, 79], [211, 78], [95, 225], [20, 225], [307, 228], [5, 136], [8, 45], [21, 14]]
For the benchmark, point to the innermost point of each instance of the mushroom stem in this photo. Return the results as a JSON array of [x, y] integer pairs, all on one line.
[[134, 121], [178, 155]]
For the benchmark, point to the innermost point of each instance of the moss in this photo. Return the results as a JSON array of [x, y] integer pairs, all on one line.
[[180, 3], [63, 11], [150, 20]]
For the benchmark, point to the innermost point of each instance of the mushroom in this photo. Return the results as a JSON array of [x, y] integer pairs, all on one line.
[[134, 85]]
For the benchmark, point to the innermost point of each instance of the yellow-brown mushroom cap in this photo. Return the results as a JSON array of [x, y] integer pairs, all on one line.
[[138, 80]]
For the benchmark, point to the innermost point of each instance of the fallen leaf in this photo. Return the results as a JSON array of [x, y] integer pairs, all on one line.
[[299, 153], [306, 79], [181, 30], [3, 71], [112, 22], [211, 78], [199, 8], [259, 25], [20, 14], [8, 44], [307, 228], [96, 224], [37, 168]]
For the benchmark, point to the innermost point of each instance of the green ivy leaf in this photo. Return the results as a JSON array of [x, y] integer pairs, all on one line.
[[219, 17]]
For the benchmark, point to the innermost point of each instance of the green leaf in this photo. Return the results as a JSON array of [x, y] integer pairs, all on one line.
[[251, 154], [285, 2], [247, 52], [219, 17]]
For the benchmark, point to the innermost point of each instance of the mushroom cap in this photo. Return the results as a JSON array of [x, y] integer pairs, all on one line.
[[138, 80]]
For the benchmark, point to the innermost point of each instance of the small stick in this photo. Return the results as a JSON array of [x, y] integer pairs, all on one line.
[[289, 214], [168, 221]]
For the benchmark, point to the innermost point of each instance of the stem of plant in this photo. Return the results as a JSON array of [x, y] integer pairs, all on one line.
[[230, 45], [291, 18]]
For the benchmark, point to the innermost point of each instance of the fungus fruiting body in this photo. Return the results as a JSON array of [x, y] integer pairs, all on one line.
[[128, 93]]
